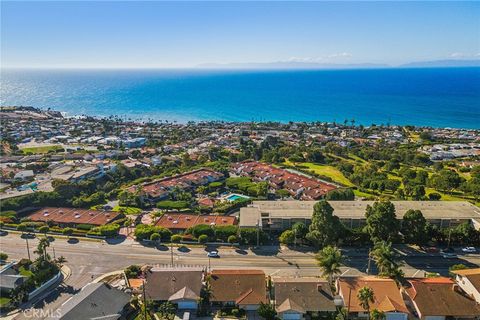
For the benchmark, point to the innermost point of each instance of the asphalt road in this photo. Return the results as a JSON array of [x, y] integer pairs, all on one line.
[[89, 259]]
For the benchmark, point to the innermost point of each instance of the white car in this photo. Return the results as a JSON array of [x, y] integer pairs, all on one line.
[[449, 255], [213, 254], [469, 250]]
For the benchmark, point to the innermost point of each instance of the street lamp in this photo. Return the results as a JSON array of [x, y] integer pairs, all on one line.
[[28, 248]]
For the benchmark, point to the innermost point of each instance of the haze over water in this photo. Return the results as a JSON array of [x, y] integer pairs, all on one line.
[[439, 97]]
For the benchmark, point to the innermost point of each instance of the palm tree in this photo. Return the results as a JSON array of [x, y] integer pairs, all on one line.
[[330, 260], [377, 315], [386, 261], [366, 296], [42, 246]]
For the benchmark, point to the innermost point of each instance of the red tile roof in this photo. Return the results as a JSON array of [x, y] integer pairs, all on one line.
[[185, 221], [309, 188], [186, 180], [74, 216]]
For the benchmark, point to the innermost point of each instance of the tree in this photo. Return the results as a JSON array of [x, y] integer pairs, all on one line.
[[167, 310], [67, 232], [232, 239], [287, 237], [41, 250], [22, 227], [325, 228], [414, 227], [3, 256], [382, 223], [377, 315], [300, 230], [267, 311], [386, 261], [176, 238], [44, 230], [155, 237], [203, 239], [366, 296], [446, 180], [329, 260]]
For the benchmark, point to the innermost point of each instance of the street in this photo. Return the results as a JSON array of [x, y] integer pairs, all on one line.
[[89, 259]]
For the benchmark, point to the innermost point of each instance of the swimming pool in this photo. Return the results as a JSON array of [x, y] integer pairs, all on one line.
[[234, 197]]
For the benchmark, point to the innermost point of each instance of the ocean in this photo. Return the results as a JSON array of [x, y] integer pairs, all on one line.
[[438, 97]]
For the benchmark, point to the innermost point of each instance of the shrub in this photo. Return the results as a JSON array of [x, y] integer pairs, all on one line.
[[176, 238], [169, 204], [86, 227], [202, 229], [67, 232], [434, 196], [107, 230], [155, 236], [143, 231], [8, 214], [132, 271], [203, 239], [287, 237], [3, 256], [232, 239], [224, 232]]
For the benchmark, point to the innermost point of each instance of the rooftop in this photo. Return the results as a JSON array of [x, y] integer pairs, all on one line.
[[185, 221], [74, 215], [356, 209]]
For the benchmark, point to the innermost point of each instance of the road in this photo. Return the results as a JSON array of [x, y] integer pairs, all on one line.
[[89, 259]]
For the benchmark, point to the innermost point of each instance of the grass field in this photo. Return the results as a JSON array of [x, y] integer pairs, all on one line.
[[128, 210], [42, 149], [325, 170]]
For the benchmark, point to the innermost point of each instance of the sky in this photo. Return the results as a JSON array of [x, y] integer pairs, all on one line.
[[111, 34]]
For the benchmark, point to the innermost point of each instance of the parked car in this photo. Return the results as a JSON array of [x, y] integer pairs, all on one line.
[[431, 249], [449, 255], [213, 254], [469, 250]]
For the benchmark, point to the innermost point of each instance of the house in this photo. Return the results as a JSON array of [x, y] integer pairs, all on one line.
[[297, 297], [74, 216], [441, 298], [242, 288], [181, 286], [181, 222], [94, 301], [9, 278], [469, 281], [387, 296], [24, 175]]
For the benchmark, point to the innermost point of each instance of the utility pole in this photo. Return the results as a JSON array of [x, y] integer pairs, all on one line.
[[53, 248], [209, 266], [368, 266], [28, 248], [171, 252], [258, 233]]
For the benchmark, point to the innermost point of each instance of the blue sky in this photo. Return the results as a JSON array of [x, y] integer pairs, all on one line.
[[185, 34]]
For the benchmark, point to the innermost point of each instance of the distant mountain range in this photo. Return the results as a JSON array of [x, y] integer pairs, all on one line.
[[314, 65]]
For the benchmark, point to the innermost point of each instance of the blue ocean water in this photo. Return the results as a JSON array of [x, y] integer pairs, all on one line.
[[443, 97]]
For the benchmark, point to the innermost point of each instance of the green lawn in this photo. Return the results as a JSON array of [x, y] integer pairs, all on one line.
[[128, 210], [4, 301], [24, 272], [325, 170], [42, 149]]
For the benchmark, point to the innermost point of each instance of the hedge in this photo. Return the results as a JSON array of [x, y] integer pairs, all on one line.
[[143, 231]]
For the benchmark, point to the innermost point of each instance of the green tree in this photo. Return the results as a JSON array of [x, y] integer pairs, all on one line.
[[232, 239], [203, 239], [155, 237], [329, 259], [366, 296], [300, 230], [382, 223], [414, 227], [287, 237], [44, 230], [446, 180], [386, 261], [377, 315], [267, 311], [67, 232], [3, 256], [167, 310], [325, 228]]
